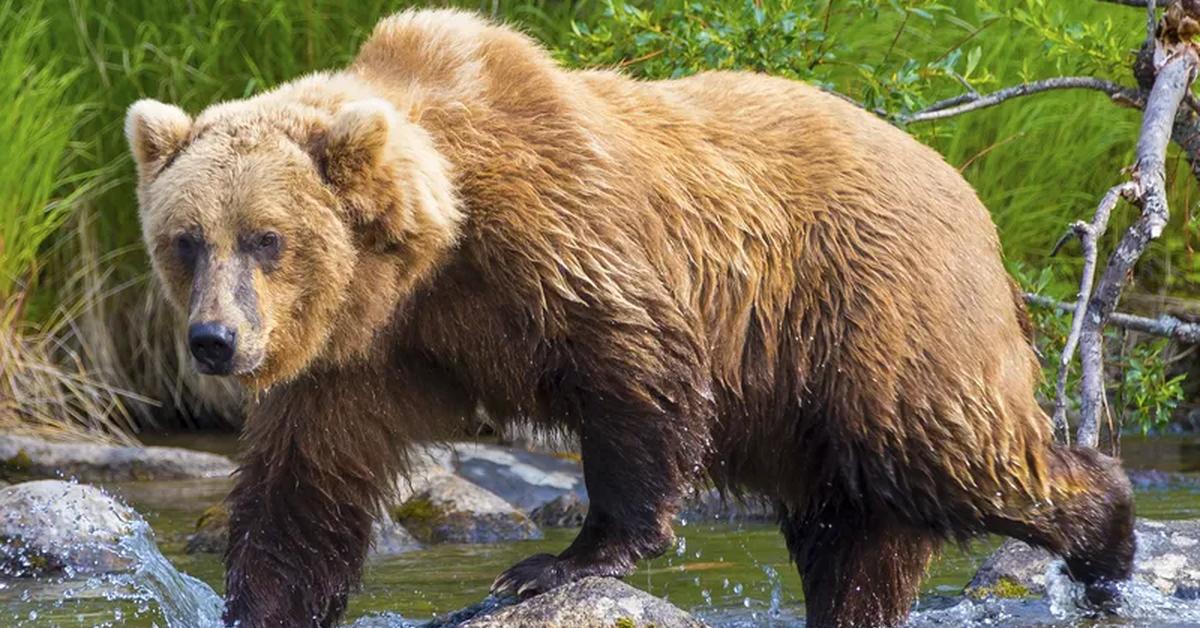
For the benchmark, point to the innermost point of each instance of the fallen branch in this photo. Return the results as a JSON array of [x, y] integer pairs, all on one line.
[[1149, 176], [964, 103], [1165, 326]]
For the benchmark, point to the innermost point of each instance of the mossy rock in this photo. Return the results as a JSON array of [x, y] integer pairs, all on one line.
[[449, 509], [19, 559], [418, 515], [212, 532], [1004, 588], [17, 468]]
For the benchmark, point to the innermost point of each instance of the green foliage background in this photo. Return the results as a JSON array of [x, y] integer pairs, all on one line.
[[1038, 163]]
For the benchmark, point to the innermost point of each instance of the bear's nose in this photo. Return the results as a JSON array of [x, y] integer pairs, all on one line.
[[213, 346]]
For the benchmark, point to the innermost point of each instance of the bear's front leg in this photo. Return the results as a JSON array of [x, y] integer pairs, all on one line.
[[637, 462], [322, 453], [295, 550]]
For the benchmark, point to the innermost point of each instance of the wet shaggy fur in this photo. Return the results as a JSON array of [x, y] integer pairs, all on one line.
[[727, 277]]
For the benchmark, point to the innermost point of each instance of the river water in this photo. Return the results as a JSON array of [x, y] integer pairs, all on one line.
[[728, 574]]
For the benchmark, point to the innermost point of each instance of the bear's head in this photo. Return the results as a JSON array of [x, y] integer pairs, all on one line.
[[289, 233]]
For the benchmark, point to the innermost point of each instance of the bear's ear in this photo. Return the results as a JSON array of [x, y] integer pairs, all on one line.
[[357, 141], [156, 132], [392, 178]]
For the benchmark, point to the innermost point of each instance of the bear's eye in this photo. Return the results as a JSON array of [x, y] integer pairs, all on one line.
[[266, 246], [187, 247]]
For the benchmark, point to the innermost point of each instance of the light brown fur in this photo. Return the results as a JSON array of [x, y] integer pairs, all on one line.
[[728, 274]]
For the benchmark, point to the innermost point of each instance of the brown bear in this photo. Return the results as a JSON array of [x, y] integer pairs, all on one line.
[[729, 278]]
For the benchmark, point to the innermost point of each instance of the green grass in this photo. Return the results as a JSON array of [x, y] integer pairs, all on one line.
[[69, 68], [33, 149]]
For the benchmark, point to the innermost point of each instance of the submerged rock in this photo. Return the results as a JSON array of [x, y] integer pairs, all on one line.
[[1154, 479], [710, 505], [212, 532], [449, 509], [564, 511], [212, 535], [391, 539], [524, 479], [589, 603], [51, 526], [1168, 559], [25, 456]]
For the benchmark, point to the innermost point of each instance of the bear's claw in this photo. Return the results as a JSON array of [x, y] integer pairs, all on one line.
[[537, 574]]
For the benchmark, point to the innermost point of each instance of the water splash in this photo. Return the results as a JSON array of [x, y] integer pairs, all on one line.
[[182, 599], [1065, 605], [115, 568]]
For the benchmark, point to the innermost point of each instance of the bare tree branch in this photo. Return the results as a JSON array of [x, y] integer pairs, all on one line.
[[1088, 234], [964, 103], [1149, 175], [1165, 326]]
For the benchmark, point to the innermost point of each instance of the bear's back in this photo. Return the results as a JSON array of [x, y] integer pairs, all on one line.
[[793, 227]]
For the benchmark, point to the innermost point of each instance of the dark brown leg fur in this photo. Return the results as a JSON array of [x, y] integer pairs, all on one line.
[[295, 551], [1089, 521], [633, 489], [858, 570], [324, 451], [637, 397]]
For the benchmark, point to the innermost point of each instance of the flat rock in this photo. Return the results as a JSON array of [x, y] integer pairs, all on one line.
[[51, 526], [524, 479], [589, 603], [1154, 479], [1168, 558], [449, 509], [89, 462], [212, 535]]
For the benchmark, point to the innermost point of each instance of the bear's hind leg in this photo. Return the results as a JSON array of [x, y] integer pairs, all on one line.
[[1089, 520], [858, 569]]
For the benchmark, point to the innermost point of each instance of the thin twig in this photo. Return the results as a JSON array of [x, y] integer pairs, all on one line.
[[1165, 326], [983, 153], [900, 31], [973, 102], [1088, 234], [1128, 3], [820, 54]]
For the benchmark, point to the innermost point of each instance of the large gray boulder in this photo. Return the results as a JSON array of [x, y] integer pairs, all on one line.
[[589, 603], [449, 509], [1168, 559], [91, 462], [51, 526], [524, 479]]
